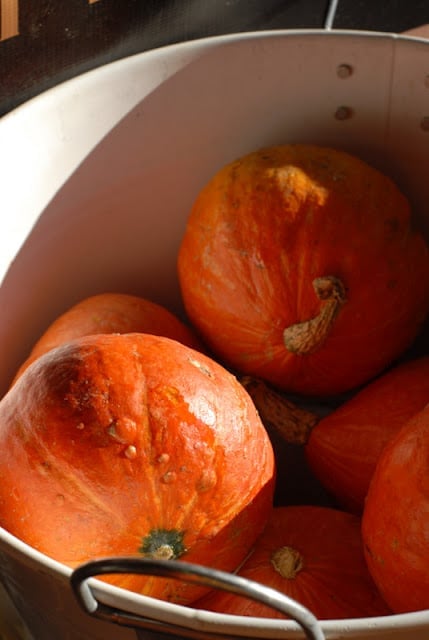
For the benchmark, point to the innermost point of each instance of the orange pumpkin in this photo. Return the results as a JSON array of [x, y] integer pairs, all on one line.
[[301, 265], [111, 313], [344, 447], [314, 555], [134, 444], [395, 523]]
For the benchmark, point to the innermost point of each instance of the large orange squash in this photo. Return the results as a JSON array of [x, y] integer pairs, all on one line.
[[134, 444], [301, 265], [111, 312]]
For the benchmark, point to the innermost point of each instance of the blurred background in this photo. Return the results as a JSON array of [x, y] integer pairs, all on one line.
[[43, 42]]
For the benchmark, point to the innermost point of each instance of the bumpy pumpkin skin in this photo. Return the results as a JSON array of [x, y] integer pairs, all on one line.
[[134, 444], [111, 312], [395, 524], [314, 555], [261, 232], [344, 447]]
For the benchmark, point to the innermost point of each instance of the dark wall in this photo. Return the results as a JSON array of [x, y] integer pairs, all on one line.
[[43, 42]]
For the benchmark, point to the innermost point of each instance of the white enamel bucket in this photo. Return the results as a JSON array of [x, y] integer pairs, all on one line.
[[97, 178]]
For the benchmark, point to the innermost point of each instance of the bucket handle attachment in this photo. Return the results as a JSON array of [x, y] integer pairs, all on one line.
[[330, 14], [192, 573]]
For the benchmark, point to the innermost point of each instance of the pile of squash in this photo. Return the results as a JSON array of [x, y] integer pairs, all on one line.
[[130, 431]]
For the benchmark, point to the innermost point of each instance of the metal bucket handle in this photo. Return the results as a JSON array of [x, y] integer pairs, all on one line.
[[188, 572]]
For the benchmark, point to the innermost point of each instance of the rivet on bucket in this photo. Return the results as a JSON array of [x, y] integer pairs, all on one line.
[[344, 71], [424, 123], [343, 113]]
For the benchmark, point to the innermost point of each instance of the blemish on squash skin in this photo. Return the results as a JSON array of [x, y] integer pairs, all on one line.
[[45, 467], [395, 544], [172, 393], [131, 452], [169, 477], [207, 481], [122, 430], [203, 368], [163, 458], [114, 435]]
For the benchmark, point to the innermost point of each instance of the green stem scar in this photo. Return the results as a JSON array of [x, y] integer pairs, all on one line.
[[163, 544]]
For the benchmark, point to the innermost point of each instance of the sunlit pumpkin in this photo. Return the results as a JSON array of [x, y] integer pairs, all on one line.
[[134, 444], [301, 265]]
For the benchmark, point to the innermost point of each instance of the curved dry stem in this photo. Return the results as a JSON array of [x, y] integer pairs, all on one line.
[[292, 423], [307, 337]]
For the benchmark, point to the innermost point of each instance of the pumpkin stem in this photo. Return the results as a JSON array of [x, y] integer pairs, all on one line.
[[164, 552], [287, 562], [292, 423], [307, 337]]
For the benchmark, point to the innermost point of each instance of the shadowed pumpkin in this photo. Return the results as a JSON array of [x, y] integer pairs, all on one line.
[[300, 265], [342, 448], [314, 555], [395, 523]]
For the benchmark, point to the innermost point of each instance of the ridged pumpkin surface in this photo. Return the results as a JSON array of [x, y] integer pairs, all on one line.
[[299, 265], [134, 444]]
